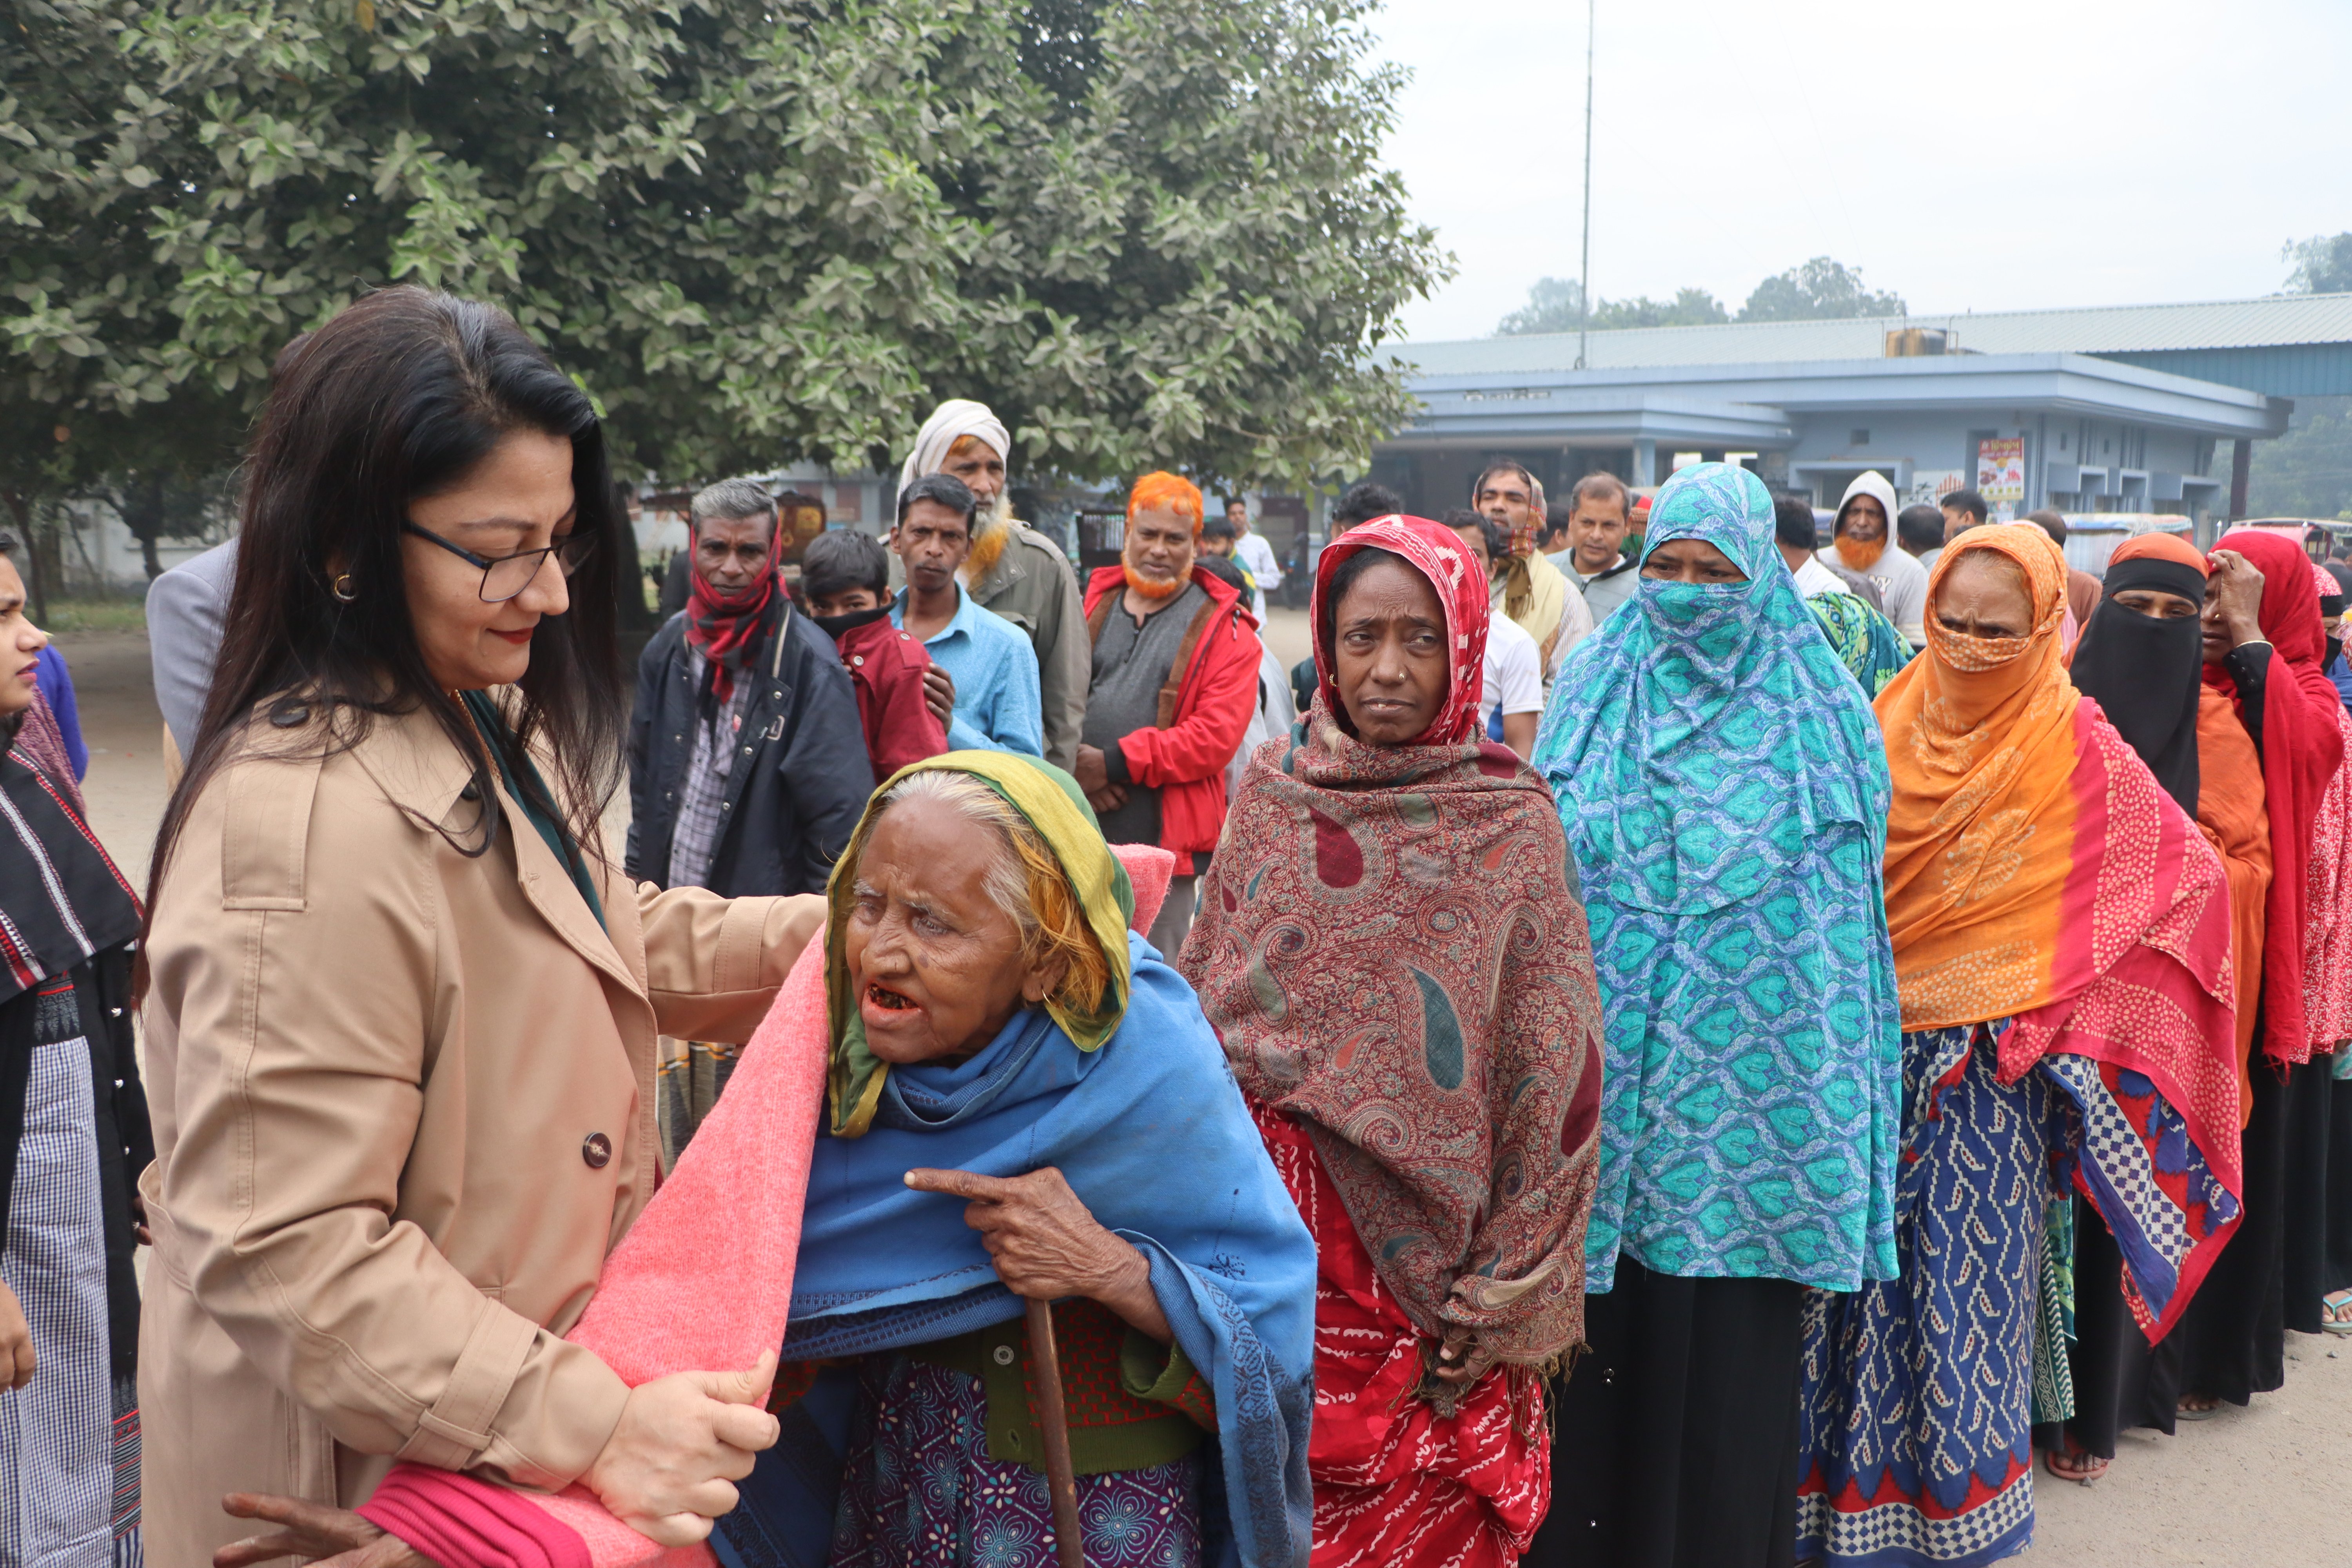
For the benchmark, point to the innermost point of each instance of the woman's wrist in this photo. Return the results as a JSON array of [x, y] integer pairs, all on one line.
[[1126, 1289]]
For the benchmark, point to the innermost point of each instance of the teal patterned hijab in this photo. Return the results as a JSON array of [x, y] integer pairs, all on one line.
[[1724, 790]]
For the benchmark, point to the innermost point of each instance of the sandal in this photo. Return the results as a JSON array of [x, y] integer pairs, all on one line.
[[2072, 1464], [2335, 1312], [2184, 1411]]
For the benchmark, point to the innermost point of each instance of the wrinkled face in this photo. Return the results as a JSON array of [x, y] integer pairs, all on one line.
[[1596, 532], [1864, 520], [1389, 644], [976, 464], [933, 542], [936, 966], [21, 643], [730, 553], [1159, 546], [518, 498], [1985, 596], [849, 602], [1691, 560]]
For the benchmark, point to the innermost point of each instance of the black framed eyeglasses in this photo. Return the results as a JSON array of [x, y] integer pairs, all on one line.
[[504, 576]]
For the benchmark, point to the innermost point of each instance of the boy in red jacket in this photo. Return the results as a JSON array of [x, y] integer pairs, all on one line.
[[902, 697]]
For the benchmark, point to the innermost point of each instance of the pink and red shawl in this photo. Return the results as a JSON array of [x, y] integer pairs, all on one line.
[[2303, 746], [702, 1280], [2327, 912], [1390, 947]]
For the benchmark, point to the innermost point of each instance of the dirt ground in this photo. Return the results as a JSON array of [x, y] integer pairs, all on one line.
[[2265, 1486]]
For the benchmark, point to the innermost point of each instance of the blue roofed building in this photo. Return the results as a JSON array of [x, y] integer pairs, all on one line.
[[2125, 408]]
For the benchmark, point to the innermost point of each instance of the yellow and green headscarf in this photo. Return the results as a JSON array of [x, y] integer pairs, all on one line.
[[1050, 801]]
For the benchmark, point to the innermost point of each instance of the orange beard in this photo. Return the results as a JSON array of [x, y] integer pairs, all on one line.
[[1858, 556], [1151, 587], [987, 550]]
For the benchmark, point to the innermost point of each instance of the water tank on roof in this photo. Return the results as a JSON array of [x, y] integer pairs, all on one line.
[[1915, 343]]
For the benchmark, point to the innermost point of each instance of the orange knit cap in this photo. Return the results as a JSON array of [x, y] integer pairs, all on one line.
[[1179, 495]]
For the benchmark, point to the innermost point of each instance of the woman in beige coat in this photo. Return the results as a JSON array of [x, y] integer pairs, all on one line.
[[400, 1012]]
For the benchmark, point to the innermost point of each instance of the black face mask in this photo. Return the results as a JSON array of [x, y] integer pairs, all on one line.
[[838, 626], [2144, 673]]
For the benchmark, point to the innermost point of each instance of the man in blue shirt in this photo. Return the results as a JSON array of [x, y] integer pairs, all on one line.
[[990, 661]]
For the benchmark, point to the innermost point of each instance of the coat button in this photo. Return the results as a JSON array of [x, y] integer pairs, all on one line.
[[725, 805], [1005, 1355], [597, 1150]]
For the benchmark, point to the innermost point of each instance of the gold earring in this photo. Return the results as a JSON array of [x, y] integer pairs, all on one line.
[[344, 590]]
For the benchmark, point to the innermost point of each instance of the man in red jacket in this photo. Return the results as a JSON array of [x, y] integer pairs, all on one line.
[[1174, 682]]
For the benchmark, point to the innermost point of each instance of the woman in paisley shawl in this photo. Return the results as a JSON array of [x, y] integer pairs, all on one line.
[[2062, 939], [1724, 791], [1390, 946]]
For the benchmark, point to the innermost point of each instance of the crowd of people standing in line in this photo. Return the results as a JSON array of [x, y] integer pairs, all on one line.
[[1692, 1048]]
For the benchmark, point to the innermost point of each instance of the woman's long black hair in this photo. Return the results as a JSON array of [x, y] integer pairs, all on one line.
[[399, 397]]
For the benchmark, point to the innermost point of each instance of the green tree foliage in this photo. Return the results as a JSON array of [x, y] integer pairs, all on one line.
[[1149, 232], [1818, 290], [2323, 264], [1554, 305]]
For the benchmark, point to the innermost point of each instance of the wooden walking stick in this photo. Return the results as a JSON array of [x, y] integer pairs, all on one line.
[[1052, 1419]]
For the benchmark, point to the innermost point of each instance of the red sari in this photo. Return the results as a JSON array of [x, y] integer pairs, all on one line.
[[1397, 1485]]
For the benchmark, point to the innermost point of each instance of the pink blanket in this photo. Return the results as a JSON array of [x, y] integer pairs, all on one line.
[[701, 1282]]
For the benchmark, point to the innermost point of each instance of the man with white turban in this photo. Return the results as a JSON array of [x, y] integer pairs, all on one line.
[[1013, 570]]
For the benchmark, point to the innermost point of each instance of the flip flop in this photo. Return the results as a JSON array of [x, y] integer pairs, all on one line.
[[2335, 1312], [2072, 1464], [2184, 1413]]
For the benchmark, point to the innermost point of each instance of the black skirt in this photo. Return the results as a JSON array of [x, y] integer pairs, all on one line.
[[2111, 1360], [1675, 1440], [2338, 1272], [2310, 1216], [2230, 1345]]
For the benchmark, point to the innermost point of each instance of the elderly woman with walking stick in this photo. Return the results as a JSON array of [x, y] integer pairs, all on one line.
[[1015, 1102]]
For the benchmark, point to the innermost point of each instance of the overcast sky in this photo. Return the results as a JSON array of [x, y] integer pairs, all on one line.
[[2001, 155]]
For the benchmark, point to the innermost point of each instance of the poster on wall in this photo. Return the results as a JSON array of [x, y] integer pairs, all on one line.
[[2000, 475], [1931, 485]]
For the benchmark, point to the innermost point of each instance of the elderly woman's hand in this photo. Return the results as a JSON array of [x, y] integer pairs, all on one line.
[[1046, 1244], [323, 1536]]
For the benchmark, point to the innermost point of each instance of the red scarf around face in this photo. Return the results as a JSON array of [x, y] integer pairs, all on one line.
[[725, 627], [2302, 744]]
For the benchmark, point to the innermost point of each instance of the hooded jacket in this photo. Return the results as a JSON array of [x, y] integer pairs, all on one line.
[[1902, 582]]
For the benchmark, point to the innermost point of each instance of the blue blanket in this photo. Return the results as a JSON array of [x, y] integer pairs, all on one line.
[[1152, 1135]]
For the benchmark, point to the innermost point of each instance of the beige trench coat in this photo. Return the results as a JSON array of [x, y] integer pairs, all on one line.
[[404, 1108]]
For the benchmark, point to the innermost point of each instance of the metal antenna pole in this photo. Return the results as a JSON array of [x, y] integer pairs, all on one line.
[[1584, 283]]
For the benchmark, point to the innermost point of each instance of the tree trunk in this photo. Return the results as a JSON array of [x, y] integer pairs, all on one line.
[[20, 506]]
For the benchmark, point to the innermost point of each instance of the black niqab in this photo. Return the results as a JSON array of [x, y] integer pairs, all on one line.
[[2144, 673]]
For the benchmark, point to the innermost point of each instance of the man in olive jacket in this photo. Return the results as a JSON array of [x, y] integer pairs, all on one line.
[[1013, 570], [747, 758]]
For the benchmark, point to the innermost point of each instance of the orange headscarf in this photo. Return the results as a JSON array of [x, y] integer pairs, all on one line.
[[1980, 744]]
